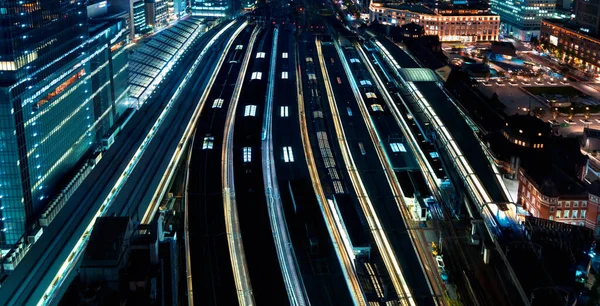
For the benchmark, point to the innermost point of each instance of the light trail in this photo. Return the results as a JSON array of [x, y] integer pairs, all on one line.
[[342, 249], [232, 223], [379, 235], [187, 135], [475, 188], [390, 175], [283, 244], [76, 252]]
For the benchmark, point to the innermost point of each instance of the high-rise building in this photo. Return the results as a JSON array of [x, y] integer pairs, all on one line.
[[43, 130], [177, 9], [139, 18], [522, 18], [156, 13], [53, 76], [211, 8], [587, 16]]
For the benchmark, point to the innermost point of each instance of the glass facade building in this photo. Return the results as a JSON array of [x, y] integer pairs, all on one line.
[[212, 8], [54, 76], [522, 18]]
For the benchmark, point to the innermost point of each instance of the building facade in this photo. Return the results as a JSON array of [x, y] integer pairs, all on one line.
[[587, 16], [464, 25], [50, 83], [522, 18], [572, 45], [579, 208], [212, 8]]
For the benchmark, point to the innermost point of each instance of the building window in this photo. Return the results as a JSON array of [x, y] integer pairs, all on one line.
[[256, 75], [250, 110], [247, 154], [208, 142], [575, 213], [583, 213], [218, 103], [551, 208], [397, 147], [566, 214], [284, 75], [558, 213], [284, 55], [559, 204], [284, 111], [576, 204], [568, 204], [288, 154], [260, 55]]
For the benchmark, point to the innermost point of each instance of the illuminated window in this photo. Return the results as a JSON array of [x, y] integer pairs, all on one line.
[[312, 77], [376, 107], [575, 213], [583, 213], [558, 214], [284, 55], [397, 147], [239, 47], [284, 111], [365, 82], [371, 95], [354, 60], [284, 75], [260, 55], [250, 111], [256, 75], [218, 103], [208, 143], [566, 214], [247, 154], [288, 155], [309, 60]]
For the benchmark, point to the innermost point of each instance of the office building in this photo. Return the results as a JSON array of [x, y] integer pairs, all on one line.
[[54, 74], [522, 19], [212, 8], [176, 9], [156, 13], [587, 16], [140, 26], [449, 25]]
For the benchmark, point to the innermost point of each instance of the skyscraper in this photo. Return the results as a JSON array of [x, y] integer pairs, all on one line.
[[522, 18], [211, 8], [50, 81]]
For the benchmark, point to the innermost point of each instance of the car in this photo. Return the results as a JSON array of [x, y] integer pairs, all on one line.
[[539, 83], [551, 83], [564, 82], [513, 83], [500, 83], [486, 84], [526, 83]]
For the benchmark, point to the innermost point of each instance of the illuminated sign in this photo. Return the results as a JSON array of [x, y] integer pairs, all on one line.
[[554, 40], [584, 30]]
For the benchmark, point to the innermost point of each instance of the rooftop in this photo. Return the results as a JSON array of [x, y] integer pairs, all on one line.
[[527, 126], [105, 244], [569, 25]]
